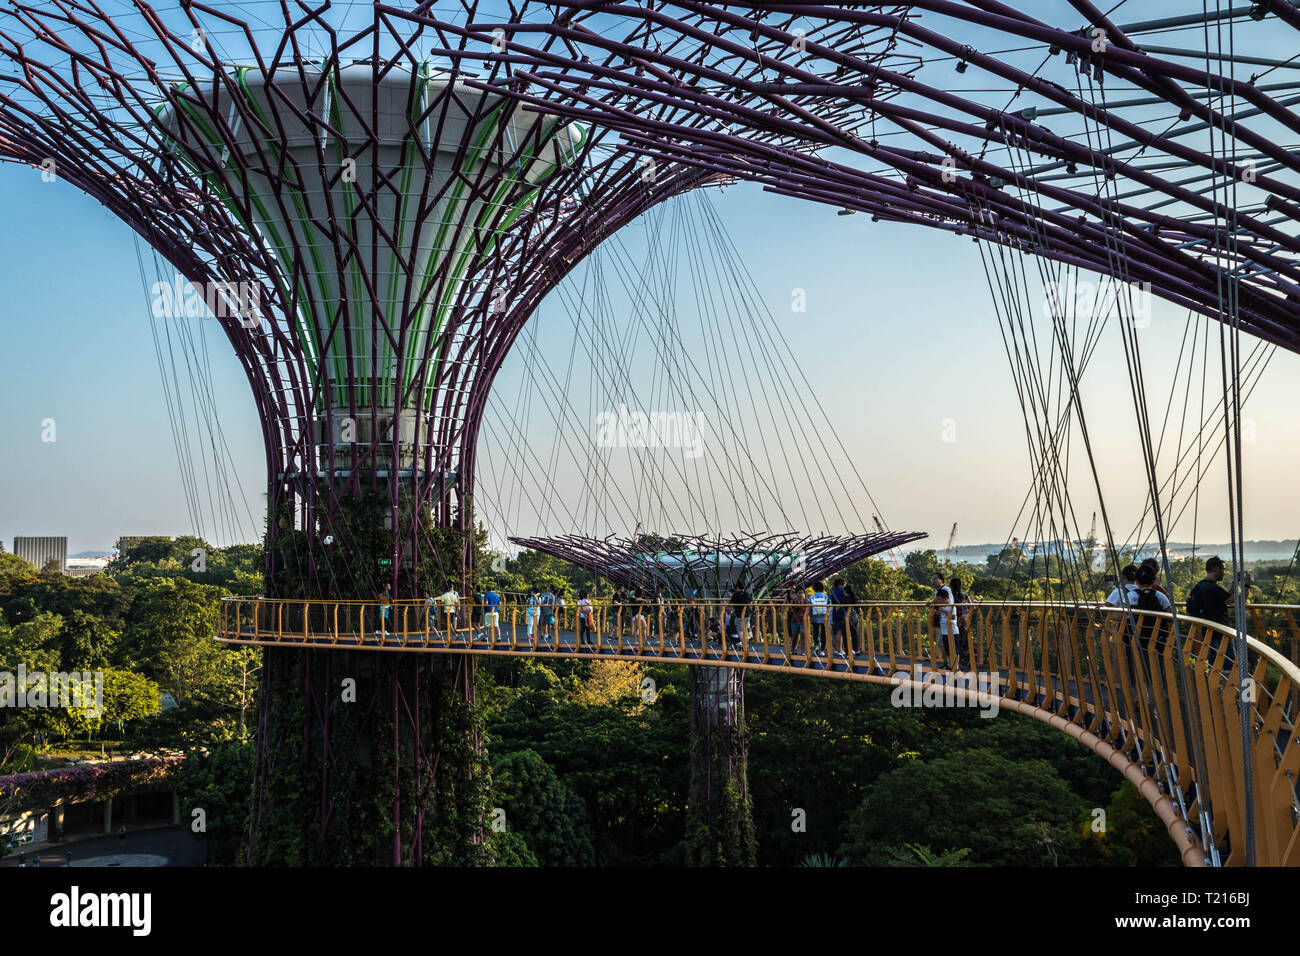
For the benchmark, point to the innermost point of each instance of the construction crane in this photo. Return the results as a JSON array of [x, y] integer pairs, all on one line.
[[952, 540]]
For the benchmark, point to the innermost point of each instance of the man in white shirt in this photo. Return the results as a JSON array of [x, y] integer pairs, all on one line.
[[945, 613], [450, 601], [1129, 593], [818, 601]]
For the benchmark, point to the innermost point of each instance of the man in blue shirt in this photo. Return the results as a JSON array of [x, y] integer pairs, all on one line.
[[492, 603]]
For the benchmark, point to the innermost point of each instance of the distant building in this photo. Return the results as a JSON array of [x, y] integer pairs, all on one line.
[[40, 551]]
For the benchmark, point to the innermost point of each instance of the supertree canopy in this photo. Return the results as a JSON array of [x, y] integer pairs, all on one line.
[[706, 570], [374, 218], [373, 232], [1155, 149], [709, 567]]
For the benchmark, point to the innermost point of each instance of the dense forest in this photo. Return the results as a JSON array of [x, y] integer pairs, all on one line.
[[588, 768]]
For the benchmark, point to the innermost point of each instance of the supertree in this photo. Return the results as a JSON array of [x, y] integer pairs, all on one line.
[[703, 572], [374, 222], [1069, 139], [374, 233]]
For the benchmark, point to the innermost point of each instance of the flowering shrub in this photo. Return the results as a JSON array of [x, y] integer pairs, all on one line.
[[27, 791]]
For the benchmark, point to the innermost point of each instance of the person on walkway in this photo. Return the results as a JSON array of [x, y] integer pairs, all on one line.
[[492, 610], [796, 606], [1209, 602], [740, 611], [839, 598], [450, 601], [818, 601], [385, 609], [586, 619], [1125, 595], [1149, 598], [854, 614], [964, 605], [546, 608], [1154, 565], [616, 610], [943, 618], [530, 613], [476, 610], [634, 618]]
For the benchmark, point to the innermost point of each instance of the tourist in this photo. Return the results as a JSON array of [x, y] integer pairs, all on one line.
[[640, 623], [385, 608], [944, 616], [1209, 602], [546, 608], [1154, 565], [616, 608], [492, 605], [476, 610], [530, 612], [740, 601], [450, 600], [1149, 598], [818, 601], [586, 617], [1128, 596], [855, 615], [429, 622], [794, 611], [838, 599], [964, 605]]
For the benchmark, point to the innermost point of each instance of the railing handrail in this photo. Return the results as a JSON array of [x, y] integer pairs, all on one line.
[[1286, 665]]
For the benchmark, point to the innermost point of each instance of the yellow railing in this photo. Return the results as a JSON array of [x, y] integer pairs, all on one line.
[[1111, 678]]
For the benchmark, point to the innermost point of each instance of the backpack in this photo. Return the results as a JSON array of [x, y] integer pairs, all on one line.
[[1194, 606], [1147, 601]]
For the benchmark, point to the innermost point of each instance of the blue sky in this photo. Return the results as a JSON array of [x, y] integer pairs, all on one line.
[[899, 337]]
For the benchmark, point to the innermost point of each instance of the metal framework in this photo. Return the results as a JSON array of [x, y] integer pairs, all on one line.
[[677, 565], [1078, 144], [402, 194]]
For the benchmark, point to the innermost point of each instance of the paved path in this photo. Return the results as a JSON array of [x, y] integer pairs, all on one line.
[[159, 846]]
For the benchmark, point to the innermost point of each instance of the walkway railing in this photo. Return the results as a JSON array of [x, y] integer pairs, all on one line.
[[1110, 678]]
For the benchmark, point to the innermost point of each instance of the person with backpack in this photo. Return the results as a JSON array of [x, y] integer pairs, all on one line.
[[546, 608], [1148, 599], [1209, 602], [1125, 595], [818, 602]]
